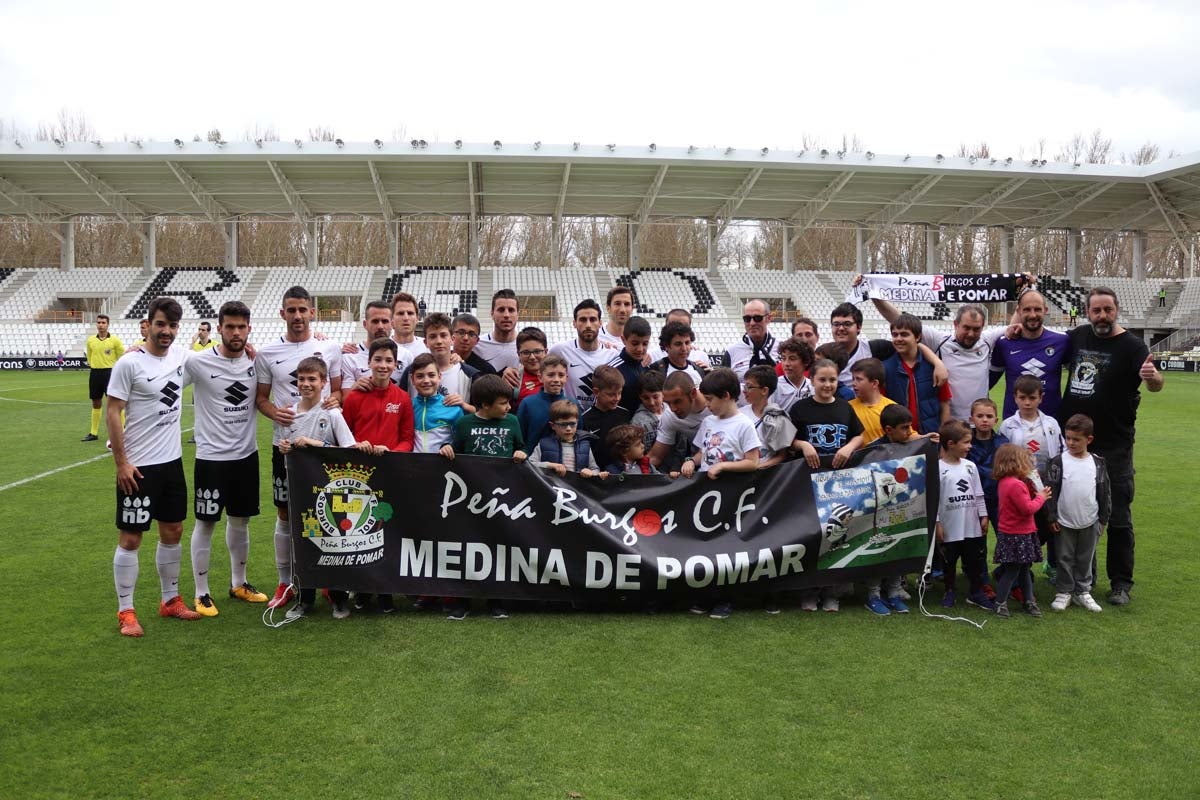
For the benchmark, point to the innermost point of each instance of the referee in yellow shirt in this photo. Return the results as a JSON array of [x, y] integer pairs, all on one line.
[[103, 350]]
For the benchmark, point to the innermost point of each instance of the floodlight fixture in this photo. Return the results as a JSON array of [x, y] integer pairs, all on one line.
[[59, 142], [1043, 162], [653, 147], [537, 145], [907, 156], [1008, 161], [801, 153], [422, 143], [765, 150], [179, 143], [691, 148], [1077, 165], [972, 159], [138, 143], [992, 162], [728, 151], [258, 143], [939, 158], [299, 144], [611, 147], [574, 145], [458, 144], [98, 143], [17, 142], [339, 143], [824, 153], [497, 144], [415, 144], [870, 155], [221, 142], [841, 153]]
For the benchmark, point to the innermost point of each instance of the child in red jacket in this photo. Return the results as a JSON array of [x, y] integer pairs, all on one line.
[[1017, 543], [383, 414]]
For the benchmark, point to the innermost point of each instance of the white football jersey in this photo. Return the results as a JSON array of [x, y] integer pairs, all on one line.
[[500, 355], [580, 366], [276, 365], [326, 425], [224, 391], [152, 388]]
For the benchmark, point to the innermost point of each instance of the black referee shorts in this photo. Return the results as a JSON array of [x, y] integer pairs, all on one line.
[[98, 383]]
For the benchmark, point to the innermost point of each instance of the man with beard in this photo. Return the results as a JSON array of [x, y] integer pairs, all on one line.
[[619, 304], [1038, 351], [1108, 365], [148, 386], [499, 348], [226, 472], [377, 322], [583, 354]]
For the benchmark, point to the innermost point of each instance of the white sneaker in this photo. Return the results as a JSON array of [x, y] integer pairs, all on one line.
[[1060, 602], [1087, 601], [830, 604]]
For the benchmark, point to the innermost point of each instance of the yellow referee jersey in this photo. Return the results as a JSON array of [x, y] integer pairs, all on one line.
[[197, 346], [103, 353]]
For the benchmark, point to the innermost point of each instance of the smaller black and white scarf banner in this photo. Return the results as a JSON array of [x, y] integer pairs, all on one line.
[[940, 288]]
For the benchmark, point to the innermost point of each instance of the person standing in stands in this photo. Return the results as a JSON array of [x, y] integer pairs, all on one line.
[[103, 350]]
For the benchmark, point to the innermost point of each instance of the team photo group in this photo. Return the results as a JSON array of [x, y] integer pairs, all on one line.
[[1037, 479]]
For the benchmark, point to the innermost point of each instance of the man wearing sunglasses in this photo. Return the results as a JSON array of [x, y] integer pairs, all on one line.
[[757, 346]]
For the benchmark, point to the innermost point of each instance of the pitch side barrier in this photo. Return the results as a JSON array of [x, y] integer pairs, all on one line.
[[482, 527], [16, 363], [1176, 365]]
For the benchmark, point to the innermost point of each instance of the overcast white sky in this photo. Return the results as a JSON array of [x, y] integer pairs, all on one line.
[[919, 77]]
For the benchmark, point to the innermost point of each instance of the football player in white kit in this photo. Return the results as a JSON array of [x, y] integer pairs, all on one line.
[[148, 386], [275, 371], [226, 473]]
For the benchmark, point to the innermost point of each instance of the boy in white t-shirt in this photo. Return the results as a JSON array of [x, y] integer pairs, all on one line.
[[314, 426], [726, 442], [1078, 509], [962, 515]]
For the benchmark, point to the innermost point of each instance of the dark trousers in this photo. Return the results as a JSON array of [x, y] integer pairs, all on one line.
[[1120, 525], [1018, 574], [973, 553]]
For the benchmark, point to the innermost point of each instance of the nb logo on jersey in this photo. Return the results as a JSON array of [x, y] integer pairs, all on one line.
[[207, 502], [236, 393], [280, 491], [170, 394], [963, 484], [135, 510]]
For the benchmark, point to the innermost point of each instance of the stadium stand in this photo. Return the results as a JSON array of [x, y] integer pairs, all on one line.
[[450, 290], [34, 290], [200, 290], [658, 290]]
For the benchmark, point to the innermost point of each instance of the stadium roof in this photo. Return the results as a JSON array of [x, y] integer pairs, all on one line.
[[136, 181]]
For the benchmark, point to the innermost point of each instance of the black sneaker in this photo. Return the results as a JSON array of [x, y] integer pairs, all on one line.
[[721, 611], [1118, 597], [698, 610], [299, 610], [771, 606], [386, 604], [361, 601], [1032, 609], [340, 609], [1002, 610], [498, 611], [457, 613], [90, 438]]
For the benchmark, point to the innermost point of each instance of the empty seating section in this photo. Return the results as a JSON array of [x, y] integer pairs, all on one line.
[[340, 281], [44, 286], [657, 291], [714, 300], [450, 290], [568, 286], [200, 290]]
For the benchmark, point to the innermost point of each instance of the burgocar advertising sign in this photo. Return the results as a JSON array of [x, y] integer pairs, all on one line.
[[41, 362]]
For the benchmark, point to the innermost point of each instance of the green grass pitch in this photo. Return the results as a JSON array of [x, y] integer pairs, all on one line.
[[544, 705]]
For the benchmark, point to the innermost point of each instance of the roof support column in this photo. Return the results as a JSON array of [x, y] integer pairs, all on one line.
[[631, 230], [149, 247], [1139, 255], [231, 244], [393, 235], [555, 244], [66, 253], [1073, 255], [313, 245], [932, 254], [1007, 237], [788, 266], [473, 232], [712, 246], [860, 249]]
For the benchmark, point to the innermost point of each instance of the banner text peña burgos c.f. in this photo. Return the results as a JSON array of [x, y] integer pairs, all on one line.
[[481, 527]]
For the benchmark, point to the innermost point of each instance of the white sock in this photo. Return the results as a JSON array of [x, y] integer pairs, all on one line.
[[201, 549], [237, 539], [283, 550], [167, 558], [125, 574]]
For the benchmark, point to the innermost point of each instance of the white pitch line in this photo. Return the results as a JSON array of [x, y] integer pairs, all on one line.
[[7, 389], [57, 470], [39, 402]]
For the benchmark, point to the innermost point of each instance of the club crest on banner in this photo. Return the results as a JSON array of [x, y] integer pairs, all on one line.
[[348, 515]]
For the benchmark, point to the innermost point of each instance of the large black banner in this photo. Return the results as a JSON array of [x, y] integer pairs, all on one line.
[[421, 524]]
